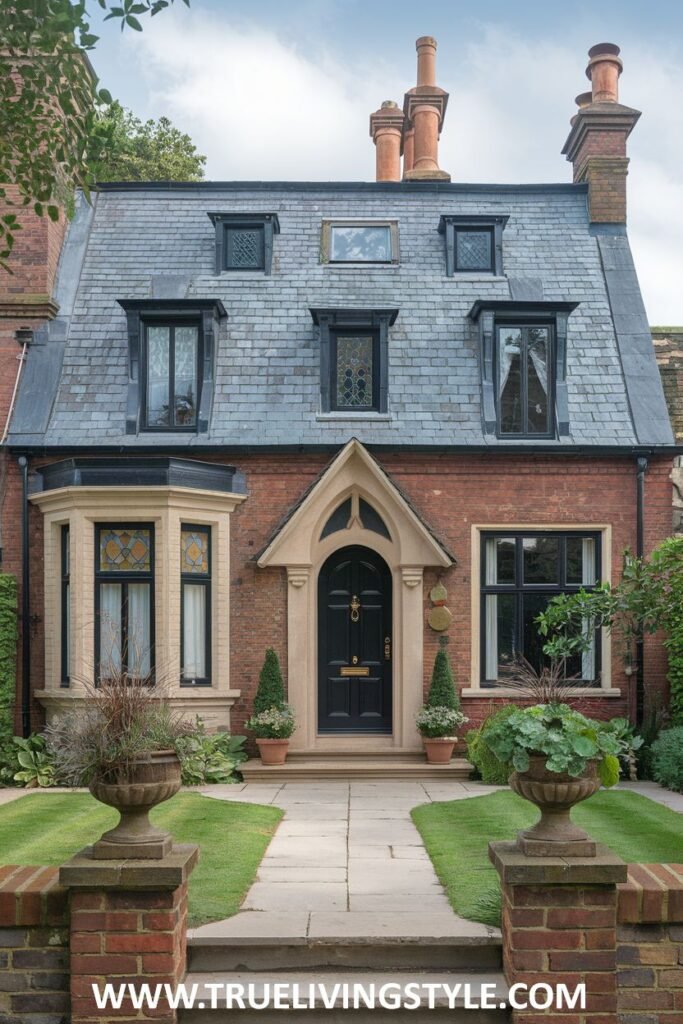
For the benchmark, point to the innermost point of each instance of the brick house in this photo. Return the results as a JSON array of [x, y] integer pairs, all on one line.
[[341, 419]]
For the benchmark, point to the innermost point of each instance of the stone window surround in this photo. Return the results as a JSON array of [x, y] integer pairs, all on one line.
[[166, 508], [476, 689], [450, 224], [362, 222], [271, 227]]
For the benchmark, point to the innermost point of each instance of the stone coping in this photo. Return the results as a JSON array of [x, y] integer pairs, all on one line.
[[653, 894], [170, 872], [515, 868]]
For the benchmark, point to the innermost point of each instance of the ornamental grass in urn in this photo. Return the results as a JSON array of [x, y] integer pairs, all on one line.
[[121, 745], [559, 758]]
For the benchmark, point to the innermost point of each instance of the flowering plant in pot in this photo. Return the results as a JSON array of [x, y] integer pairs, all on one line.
[[122, 746], [273, 720], [440, 718], [559, 758]]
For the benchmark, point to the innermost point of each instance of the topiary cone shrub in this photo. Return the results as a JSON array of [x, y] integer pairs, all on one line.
[[442, 689], [271, 688]]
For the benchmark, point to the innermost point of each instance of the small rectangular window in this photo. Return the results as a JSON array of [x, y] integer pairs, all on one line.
[[195, 627], [244, 247], [474, 249], [124, 600], [524, 380], [521, 573], [65, 606], [360, 244], [172, 375], [355, 370]]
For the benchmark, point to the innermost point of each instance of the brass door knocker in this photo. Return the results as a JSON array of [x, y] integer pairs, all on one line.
[[355, 609]]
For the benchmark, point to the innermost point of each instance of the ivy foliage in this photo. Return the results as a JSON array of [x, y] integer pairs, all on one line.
[[8, 669], [648, 598], [48, 102]]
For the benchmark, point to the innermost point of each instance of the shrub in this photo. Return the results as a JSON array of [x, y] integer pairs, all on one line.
[[667, 759], [656, 719], [208, 758], [35, 763], [271, 689], [439, 722], [8, 659], [492, 771], [442, 690], [273, 723]]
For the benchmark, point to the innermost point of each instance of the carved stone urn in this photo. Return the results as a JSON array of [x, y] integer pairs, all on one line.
[[555, 793], [153, 779]]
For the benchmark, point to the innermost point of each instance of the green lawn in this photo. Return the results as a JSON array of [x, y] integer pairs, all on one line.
[[49, 828], [457, 835]]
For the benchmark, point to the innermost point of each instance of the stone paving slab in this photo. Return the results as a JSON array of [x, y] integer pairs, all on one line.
[[297, 896]]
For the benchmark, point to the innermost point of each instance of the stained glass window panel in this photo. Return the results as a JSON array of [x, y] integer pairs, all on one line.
[[125, 550], [185, 391], [158, 369], [473, 250], [354, 371], [360, 243], [194, 552]]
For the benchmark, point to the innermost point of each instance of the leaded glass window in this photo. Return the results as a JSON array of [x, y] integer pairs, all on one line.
[[244, 247], [524, 380], [360, 243], [355, 356], [195, 629], [521, 573], [124, 600], [172, 376], [474, 249]]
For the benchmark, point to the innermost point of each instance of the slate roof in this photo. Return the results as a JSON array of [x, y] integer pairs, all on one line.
[[144, 241]]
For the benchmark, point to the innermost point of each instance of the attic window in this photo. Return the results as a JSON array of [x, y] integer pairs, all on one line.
[[244, 241], [346, 241], [355, 510], [474, 243]]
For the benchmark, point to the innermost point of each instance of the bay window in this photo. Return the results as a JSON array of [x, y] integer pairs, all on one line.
[[124, 600]]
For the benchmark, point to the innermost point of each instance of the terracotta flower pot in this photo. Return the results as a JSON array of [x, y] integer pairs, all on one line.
[[154, 778], [555, 793], [439, 749], [273, 751]]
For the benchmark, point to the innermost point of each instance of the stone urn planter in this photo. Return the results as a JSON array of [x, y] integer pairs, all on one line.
[[272, 751], [555, 793], [439, 750], [154, 779]]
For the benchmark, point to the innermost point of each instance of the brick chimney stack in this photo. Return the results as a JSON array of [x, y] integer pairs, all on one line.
[[386, 129], [596, 144]]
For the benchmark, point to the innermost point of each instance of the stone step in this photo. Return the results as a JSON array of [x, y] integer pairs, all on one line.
[[463, 1009], [325, 768]]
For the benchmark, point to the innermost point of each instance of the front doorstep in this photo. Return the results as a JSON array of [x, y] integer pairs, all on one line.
[[316, 766]]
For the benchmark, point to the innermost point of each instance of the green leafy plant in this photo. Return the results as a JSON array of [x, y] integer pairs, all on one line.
[[209, 758], [655, 721], [121, 147], [8, 660], [442, 690], [667, 759], [492, 771], [275, 723], [567, 739], [439, 722], [36, 763], [631, 742], [271, 689]]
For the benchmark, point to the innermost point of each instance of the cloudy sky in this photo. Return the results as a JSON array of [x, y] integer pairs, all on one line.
[[282, 89]]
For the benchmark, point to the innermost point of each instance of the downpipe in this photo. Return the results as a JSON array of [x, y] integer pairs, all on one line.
[[641, 470], [25, 605]]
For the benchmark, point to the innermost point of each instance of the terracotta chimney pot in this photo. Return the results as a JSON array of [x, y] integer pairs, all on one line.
[[426, 60], [604, 68], [386, 127]]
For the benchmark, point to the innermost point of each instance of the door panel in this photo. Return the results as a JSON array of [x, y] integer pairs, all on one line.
[[354, 632]]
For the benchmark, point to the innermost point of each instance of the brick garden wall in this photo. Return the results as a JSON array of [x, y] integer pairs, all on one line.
[[34, 947]]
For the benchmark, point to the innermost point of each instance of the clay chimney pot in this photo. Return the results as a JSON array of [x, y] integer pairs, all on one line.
[[584, 99], [426, 60], [604, 68]]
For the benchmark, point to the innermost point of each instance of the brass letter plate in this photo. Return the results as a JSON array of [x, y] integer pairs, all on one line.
[[354, 670]]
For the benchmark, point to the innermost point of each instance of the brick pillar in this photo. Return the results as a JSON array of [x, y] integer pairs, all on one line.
[[128, 925], [559, 926]]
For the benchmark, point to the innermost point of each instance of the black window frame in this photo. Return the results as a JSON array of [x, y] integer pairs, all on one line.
[[268, 223], [354, 332], [171, 324], [124, 578], [519, 588], [525, 327], [205, 580], [65, 603], [451, 224]]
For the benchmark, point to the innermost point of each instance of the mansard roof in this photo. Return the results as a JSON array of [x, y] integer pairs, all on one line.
[[147, 241]]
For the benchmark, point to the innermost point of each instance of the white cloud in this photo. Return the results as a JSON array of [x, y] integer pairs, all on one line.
[[261, 108]]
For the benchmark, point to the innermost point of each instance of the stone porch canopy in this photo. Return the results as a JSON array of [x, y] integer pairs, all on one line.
[[300, 546]]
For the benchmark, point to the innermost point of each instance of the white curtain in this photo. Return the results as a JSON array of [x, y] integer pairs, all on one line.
[[509, 346], [194, 631], [588, 579], [540, 365], [139, 633], [110, 629], [491, 577]]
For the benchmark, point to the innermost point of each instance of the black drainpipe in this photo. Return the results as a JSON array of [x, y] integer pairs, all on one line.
[[641, 464], [25, 605]]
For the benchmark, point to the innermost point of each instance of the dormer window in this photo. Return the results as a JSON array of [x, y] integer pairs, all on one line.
[[244, 241], [350, 241], [474, 243], [354, 360]]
